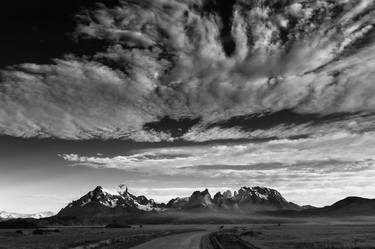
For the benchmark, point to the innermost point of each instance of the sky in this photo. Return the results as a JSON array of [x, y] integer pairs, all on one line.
[[171, 96]]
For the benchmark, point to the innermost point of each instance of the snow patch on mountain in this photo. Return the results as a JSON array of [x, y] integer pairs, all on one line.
[[8, 215], [111, 199]]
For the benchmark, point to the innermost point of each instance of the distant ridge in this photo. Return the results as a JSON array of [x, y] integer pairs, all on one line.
[[8, 216], [350, 206]]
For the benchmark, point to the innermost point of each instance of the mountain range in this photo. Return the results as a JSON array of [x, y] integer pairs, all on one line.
[[7, 215], [101, 201], [102, 206]]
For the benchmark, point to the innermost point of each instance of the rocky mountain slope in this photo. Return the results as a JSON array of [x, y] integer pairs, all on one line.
[[102, 202], [349, 206]]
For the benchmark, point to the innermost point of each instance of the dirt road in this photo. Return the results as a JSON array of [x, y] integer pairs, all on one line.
[[180, 241]]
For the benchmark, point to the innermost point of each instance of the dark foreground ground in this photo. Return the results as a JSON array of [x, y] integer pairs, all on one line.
[[308, 236], [315, 234], [85, 237]]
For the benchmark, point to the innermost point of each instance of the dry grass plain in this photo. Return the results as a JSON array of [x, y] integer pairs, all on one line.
[[347, 235], [85, 237], [313, 234]]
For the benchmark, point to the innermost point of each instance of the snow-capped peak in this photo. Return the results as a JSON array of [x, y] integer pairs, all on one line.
[[8, 215], [120, 190], [113, 198]]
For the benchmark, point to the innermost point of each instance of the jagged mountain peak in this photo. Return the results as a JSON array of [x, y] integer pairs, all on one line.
[[200, 193], [198, 200], [201, 199], [261, 192], [249, 198]]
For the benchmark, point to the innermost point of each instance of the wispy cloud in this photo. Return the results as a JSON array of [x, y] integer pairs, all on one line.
[[315, 153]]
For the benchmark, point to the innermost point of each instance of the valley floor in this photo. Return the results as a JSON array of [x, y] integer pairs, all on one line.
[[314, 234], [86, 237]]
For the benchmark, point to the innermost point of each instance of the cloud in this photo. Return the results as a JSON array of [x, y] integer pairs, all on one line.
[[169, 59], [336, 153], [327, 166], [335, 165], [75, 99]]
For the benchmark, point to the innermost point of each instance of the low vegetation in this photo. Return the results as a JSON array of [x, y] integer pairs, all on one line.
[[312, 236], [85, 237]]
